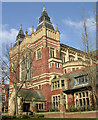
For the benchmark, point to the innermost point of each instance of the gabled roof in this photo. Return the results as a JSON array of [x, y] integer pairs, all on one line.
[[31, 95]]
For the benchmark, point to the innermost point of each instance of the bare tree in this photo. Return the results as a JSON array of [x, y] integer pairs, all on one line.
[[89, 53], [10, 69]]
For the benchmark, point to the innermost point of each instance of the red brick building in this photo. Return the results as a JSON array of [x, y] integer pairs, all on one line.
[[44, 63]]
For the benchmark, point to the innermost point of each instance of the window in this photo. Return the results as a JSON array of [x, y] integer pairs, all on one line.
[[42, 105], [55, 84], [26, 107], [26, 67], [79, 95], [57, 65], [81, 80], [77, 68], [82, 99], [38, 54], [31, 73], [58, 84], [39, 86], [87, 99], [65, 71], [50, 65], [63, 58], [80, 59], [73, 69], [62, 83], [51, 52], [86, 94], [52, 85], [39, 106], [71, 58], [56, 102]]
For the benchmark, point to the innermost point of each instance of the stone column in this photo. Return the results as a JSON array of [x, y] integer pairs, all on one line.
[[67, 55], [20, 110], [32, 105], [76, 57], [62, 103]]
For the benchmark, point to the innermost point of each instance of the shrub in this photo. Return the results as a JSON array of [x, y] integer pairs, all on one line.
[[6, 117], [39, 115], [89, 108], [71, 108], [52, 110], [24, 116]]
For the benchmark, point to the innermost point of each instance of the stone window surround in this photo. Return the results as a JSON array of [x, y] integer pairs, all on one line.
[[82, 98], [38, 51], [56, 101], [42, 106], [23, 69], [53, 50], [60, 87]]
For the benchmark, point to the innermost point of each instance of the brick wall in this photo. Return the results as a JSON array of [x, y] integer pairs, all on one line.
[[91, 114]]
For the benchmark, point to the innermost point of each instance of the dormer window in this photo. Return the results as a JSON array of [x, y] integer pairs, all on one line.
[[81, 80]]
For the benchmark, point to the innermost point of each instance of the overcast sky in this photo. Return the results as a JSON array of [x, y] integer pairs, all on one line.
[[68, 16]]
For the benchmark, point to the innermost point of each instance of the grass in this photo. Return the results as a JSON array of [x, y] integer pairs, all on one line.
[[59, 119]]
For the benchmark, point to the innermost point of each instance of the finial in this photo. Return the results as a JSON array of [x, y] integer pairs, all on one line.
[[26, 32], [32, 29], [20, 26], [44, 8], [57, 27]]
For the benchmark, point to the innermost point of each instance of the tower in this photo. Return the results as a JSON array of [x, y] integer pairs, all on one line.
[[43, 49]]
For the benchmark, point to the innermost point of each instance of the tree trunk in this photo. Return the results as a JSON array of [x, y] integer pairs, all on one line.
[[16, 104]]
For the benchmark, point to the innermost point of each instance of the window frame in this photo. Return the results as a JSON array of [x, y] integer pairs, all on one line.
[[38, 54], [52, 53], [82, 98]]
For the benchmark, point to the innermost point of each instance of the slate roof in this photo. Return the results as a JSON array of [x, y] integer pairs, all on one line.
[[44, 16], [31, 95]]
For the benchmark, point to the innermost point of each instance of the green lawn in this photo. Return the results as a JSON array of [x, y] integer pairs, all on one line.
[[59, 119]]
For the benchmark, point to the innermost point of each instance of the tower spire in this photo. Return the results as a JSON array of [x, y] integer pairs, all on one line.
[[44, 8], [46, 18], [20, 26]]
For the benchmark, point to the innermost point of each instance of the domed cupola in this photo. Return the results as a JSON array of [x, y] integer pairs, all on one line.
[[46, 18], [20, 36]]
